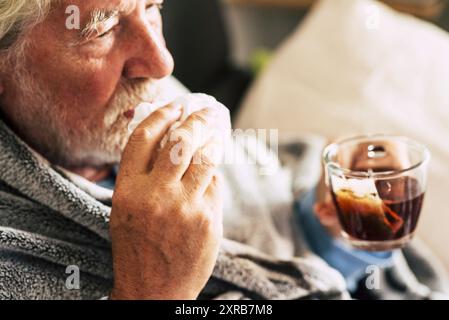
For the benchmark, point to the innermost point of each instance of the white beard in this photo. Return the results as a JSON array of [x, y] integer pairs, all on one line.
[[45, 127]]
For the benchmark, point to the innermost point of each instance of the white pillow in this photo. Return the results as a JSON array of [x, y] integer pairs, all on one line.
[[357, 66]]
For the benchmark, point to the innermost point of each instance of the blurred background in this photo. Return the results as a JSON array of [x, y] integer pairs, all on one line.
[[220, 45], [326, 67]]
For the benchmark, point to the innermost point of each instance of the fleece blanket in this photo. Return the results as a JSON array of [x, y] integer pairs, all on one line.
[[54, 237]]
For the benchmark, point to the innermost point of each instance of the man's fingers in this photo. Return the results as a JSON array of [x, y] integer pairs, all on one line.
[[175, 158], [326, 211], [327, 214], [204, 164], [214, 196], [146, 138], [215, 189]]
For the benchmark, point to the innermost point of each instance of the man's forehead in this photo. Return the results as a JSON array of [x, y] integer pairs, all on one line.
[[94, 13], [87, 7]]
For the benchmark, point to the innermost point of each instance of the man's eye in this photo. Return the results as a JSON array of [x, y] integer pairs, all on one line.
[[108, 32], [104, 34], [158, 6]]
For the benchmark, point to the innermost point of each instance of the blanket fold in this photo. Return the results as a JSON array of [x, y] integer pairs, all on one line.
[[50, 220]]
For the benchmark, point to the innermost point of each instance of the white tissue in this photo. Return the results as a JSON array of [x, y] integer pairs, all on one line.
[[190, 103]]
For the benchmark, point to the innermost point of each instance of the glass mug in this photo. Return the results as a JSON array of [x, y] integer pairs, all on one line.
[[377, 184]]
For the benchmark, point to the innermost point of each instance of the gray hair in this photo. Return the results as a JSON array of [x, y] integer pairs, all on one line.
[[18, 15]]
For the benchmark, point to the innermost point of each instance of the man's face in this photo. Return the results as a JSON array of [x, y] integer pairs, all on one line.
[[70, 97]]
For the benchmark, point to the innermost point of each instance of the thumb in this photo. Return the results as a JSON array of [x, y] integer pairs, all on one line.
[[327, 215]]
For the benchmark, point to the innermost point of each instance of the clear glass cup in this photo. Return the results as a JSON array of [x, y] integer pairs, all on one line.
[[377, 184]]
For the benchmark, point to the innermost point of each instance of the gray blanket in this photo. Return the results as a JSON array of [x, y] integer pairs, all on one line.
[[53, 223]]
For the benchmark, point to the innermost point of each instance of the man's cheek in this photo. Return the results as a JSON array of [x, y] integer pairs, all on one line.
[[100, 79], [99, 90]]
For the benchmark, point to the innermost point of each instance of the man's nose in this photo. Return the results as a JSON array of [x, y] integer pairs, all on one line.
[[149, 57]]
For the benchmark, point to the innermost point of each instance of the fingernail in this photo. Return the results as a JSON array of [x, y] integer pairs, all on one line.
[[175, 106], [211, 112], [176, 109]]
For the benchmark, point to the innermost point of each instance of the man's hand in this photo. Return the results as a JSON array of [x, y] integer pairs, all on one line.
[[166, 219], [327, 214]]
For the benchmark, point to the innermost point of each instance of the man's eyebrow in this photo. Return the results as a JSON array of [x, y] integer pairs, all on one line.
[[100, 17], [97, 18]]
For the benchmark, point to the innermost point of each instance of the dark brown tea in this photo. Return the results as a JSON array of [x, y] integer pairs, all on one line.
[[392, 214]]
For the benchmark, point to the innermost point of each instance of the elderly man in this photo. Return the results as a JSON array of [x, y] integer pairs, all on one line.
[[67, 96]]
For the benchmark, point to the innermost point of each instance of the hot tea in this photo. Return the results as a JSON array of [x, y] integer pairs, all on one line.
[[389, 213]]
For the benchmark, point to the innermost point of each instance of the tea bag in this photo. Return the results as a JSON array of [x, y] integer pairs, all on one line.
[[359, 187]]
